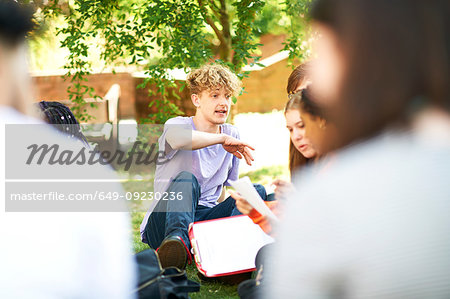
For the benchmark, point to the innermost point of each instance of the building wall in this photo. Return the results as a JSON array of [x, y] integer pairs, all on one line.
[[54, 88], [265, 90]]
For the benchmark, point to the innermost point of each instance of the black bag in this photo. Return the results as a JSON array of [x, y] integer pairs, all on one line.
[[155, 282]]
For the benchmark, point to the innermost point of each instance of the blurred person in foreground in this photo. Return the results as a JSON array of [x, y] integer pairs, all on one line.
[[52, 254], [376, 224]]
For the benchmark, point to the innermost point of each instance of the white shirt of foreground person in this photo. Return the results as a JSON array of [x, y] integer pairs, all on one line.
[[375, 225], [62, 255]]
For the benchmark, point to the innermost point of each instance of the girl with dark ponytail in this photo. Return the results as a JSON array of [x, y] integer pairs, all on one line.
[[62, 117]]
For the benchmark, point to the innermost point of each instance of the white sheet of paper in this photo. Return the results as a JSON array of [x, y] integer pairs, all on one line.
[[245, 187], [229, 244]]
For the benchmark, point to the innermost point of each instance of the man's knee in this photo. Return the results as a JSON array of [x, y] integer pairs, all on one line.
[[187, 180], [186, 176], [187, 189]]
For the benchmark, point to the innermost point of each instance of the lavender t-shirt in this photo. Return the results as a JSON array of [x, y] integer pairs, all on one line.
[[212, 166]]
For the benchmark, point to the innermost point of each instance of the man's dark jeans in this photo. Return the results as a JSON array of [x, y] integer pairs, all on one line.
[[172, 217]]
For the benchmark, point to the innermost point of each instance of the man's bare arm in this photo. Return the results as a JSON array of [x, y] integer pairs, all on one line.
[[179, 138]]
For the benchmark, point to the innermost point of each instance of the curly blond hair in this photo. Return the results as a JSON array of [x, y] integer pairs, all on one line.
[[213, 76]]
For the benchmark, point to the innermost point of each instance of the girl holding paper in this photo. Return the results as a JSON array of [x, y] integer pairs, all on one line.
[[307, 126]]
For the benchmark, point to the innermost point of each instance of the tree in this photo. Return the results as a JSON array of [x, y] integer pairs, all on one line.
[[158, 35]]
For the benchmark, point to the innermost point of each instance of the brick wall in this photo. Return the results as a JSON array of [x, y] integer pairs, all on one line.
[[265, 89], [54, 88]]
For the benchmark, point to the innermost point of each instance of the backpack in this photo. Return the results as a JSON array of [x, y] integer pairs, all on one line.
[[155, 282]]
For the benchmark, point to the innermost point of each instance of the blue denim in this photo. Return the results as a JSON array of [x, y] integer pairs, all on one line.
[[172, 217]]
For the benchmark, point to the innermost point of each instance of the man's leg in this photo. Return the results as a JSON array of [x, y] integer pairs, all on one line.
[[153, 232], [172, 217], [221, 210], [180, 213], [168, 225]]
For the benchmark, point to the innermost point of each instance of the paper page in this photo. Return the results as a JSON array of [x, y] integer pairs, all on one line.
[[245, 187], [229, 244]]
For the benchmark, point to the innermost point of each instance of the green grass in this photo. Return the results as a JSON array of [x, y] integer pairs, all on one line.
[[208, 289], [266, 175]]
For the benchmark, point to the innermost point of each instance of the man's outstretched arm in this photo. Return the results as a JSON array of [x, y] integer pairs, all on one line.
[[191, 140]]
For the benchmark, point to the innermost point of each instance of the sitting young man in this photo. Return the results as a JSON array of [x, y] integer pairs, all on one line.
[[202, 155]]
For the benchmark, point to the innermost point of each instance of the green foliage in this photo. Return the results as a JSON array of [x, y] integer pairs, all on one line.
[[161, 35], [297, 11], [269, 20], [244, 41]]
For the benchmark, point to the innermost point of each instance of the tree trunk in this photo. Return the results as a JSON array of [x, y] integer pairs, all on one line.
[[225, 47]]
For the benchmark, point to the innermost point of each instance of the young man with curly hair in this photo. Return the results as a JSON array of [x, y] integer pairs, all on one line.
[[202, 155]]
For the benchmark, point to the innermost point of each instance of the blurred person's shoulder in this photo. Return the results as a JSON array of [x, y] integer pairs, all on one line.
[[393, 160], [29, 131], [9, 115]]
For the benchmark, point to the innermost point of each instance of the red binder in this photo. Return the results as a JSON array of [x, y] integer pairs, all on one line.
[[226, 246]]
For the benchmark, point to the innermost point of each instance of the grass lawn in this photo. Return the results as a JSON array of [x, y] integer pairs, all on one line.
[[208, 289]]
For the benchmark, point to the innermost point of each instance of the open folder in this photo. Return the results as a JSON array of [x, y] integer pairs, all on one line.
[[226, 246]]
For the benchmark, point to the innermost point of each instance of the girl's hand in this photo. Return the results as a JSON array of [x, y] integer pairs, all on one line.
[[241, 204], [282, 189]]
